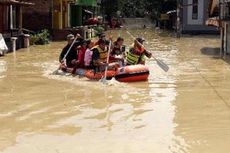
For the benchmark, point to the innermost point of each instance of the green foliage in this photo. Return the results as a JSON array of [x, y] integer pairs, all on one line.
[[41, 38], [139, 8]]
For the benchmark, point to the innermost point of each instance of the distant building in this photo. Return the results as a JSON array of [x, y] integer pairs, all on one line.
[[225, 26], [11, 20], [59, 16], [193, 15], [72, 13], [220, 17], [11, 16], [39, 16]]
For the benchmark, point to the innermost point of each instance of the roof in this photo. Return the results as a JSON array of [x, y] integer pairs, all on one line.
[[15, 2]]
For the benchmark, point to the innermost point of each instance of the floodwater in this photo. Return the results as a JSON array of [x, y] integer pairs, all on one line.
[[186, 110]]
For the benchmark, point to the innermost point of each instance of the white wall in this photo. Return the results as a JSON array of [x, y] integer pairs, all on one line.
[[200, 20]]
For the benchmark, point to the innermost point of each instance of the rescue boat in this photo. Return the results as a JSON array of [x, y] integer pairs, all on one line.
[[90, 74], [132, 73]]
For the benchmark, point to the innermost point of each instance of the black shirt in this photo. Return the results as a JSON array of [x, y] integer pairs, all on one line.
[[95, 56], [71, 55]]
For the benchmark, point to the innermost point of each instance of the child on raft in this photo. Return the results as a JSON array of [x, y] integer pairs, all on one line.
[[88, 55], [117, 53]]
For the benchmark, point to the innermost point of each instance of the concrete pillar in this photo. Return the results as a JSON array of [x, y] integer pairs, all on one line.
[[20, 18], [26, 40], [89, 33], [93, 32], [13, 43], [225, 39], [221, 41], [85, 29]]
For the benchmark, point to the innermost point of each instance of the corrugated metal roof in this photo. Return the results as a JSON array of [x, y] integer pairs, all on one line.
[[15, 2]]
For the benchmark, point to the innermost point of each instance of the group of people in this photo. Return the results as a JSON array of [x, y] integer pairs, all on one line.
[[80, 53]]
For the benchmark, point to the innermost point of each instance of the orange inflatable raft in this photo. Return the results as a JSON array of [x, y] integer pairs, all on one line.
[[132, 73], [90, 74]]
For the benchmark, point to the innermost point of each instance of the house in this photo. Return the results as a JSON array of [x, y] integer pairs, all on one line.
[[11, 19], [72, 13], [223, 22], [59, 16], [38, 16], [220, 17], [193, 16], [69, 15], [224, 17]]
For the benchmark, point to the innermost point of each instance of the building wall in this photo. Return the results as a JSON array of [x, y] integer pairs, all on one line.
[[196, 26], [1, 19], [201, 13], [226, 37], [38, 16], [60, 14]]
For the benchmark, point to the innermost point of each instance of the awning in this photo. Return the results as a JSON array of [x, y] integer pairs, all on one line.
[[86, 2], [171, 12], [213, 11], [87, 11], [15, 2], [214, 21]]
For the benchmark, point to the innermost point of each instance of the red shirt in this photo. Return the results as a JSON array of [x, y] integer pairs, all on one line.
[[81, 56]]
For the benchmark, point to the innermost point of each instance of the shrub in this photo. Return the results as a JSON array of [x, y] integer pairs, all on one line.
[[99, 29], [41, 38]]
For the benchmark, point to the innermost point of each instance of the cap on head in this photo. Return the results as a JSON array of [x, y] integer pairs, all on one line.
[[70, 37], [140, 39]]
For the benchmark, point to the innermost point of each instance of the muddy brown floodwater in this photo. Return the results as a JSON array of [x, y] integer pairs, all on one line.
[[186, 110]]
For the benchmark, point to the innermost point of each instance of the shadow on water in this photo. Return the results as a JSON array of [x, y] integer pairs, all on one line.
[[209, 51], [214, 53]]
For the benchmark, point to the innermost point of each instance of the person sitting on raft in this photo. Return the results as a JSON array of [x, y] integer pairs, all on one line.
[[99, 57], [81, 54], [117, 51], [100, 36], [88, 55], [137, 53], [70, 60]]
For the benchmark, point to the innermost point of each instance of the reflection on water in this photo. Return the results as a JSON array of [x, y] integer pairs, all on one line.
[[2, 68], [41, 112]]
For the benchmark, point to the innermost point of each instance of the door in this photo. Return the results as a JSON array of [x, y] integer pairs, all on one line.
[[196, 11], [75, 15]]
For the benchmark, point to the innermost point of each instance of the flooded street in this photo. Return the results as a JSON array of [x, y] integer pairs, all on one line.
[[186, 110]]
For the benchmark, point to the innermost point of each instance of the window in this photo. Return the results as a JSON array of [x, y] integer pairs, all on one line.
[[195, 10]]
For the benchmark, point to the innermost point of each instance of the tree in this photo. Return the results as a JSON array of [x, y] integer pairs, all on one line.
[[139, 8]]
